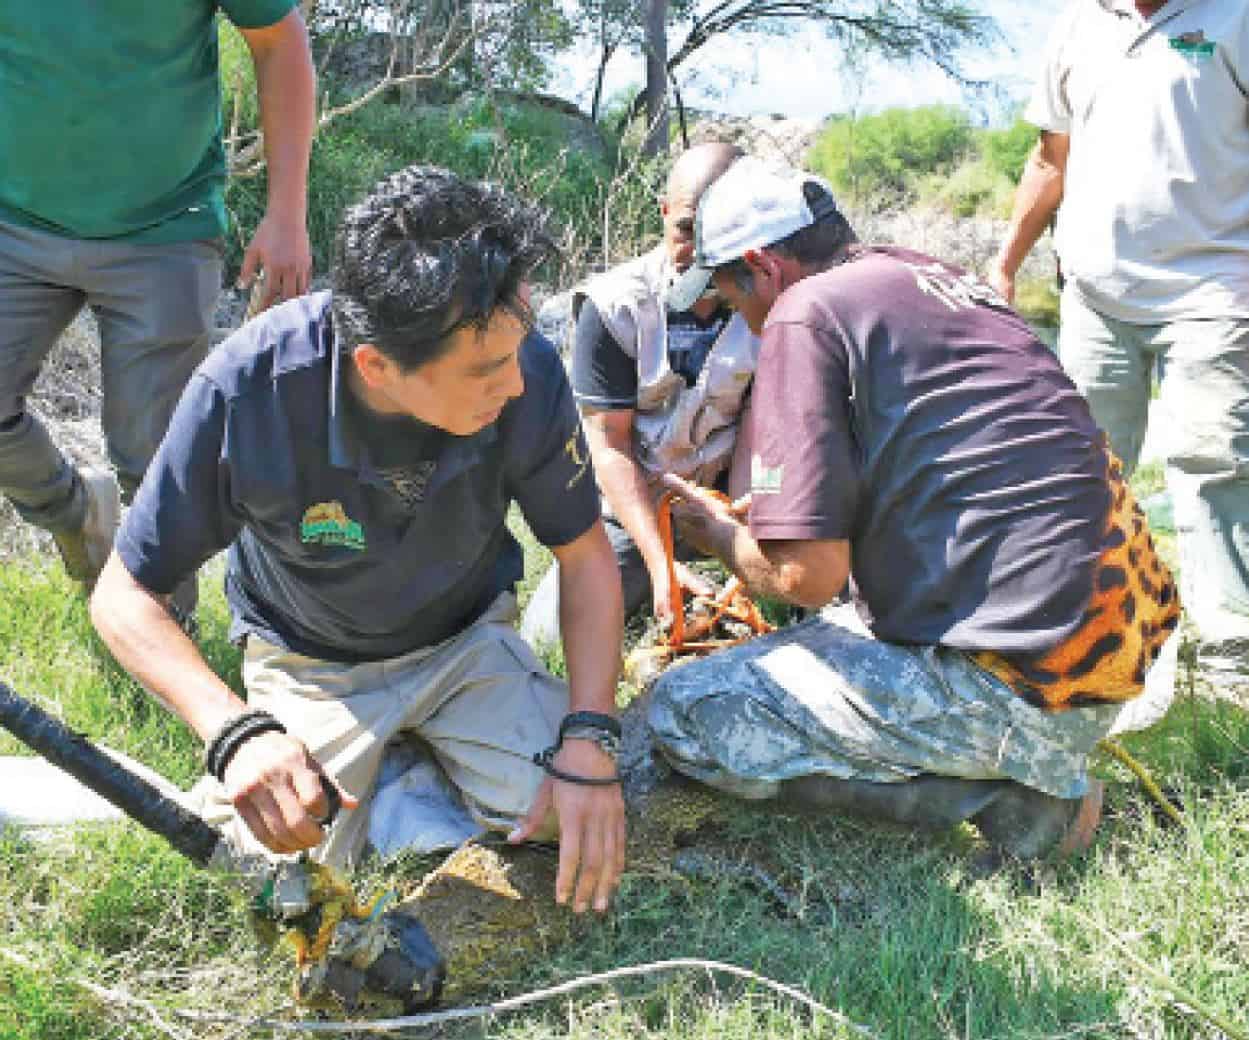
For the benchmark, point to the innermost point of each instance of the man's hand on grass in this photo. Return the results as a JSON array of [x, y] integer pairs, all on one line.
[[591, 826]]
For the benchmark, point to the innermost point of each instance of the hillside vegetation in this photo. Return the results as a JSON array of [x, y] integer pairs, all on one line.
[[930, 155], [598, 188]]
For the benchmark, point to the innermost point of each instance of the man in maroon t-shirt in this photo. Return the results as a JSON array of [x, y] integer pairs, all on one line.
[[910, 434]]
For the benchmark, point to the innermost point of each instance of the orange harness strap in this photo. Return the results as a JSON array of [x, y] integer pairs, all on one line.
[[732, 601]]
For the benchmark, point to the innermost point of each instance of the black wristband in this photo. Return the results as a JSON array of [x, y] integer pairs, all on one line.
[[233, 735], [545, 759], [589, 720]]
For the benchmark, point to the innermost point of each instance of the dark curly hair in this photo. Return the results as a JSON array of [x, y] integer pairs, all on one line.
[[427, 253]]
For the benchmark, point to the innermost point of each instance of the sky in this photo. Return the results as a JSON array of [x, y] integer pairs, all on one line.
[[797, 76]]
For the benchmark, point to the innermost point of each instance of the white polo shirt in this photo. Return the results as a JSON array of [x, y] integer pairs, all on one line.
[[1154, 223]]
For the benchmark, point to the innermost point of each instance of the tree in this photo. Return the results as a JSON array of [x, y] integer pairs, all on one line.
[[613, 24], [656, 43], [935, 31]]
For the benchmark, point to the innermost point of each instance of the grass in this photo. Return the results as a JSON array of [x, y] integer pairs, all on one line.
[[899, 932]]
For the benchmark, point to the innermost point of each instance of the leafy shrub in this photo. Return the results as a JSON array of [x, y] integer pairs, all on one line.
[[1007, 150], [974, 187], [880, 159]]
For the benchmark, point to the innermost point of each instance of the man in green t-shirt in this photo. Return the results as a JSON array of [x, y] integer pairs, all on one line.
[[112, 169]]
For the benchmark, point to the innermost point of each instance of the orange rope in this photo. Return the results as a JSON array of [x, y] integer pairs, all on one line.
[[676, 596], [732, 601]]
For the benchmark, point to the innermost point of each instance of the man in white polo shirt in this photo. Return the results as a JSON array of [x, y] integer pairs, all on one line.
[[1144, 116]]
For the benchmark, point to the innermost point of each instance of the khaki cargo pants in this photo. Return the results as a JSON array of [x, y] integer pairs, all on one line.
[[480, 700]]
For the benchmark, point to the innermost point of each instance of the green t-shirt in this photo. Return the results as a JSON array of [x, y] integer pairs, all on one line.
[[110, 115]]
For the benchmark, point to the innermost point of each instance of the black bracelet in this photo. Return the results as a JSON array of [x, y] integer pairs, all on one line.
[[589, 720], [233, 735], [545, 759]]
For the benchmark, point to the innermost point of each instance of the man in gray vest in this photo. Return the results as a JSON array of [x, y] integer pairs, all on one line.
[[1145, 144], [661, 390]]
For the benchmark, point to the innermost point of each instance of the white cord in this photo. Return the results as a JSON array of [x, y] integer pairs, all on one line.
[[392, 1025]]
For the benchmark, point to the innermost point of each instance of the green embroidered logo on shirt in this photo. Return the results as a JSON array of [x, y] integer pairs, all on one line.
[[1193, 45], [327, 523], [765, 480]]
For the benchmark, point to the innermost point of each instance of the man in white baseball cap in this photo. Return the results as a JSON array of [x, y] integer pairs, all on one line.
[[752, 205], [911, 435]]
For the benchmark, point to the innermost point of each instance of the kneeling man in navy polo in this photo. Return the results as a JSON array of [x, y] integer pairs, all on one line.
[[358, 451]]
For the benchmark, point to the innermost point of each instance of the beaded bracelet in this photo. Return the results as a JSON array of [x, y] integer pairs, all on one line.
[[604, 730]]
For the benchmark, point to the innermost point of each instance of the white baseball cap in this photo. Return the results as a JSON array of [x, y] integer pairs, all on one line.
[[751, 205]]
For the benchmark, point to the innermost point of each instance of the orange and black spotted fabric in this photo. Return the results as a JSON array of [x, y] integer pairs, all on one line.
[[1133, 609]]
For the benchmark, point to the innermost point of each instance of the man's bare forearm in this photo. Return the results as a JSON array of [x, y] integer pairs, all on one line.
[[763, 573], [624, 484], [1037, 198], [806, 572], [286, 92], [150, 645], [591, 619], [631, 497]]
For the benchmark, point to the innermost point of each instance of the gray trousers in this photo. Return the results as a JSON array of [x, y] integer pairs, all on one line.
[[1203, 369], [154, 306]]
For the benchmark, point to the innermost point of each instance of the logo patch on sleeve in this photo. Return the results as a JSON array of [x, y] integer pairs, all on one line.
[[765, 480], [327, 523]]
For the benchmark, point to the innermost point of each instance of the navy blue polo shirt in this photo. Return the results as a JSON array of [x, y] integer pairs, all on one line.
[[329, 557]]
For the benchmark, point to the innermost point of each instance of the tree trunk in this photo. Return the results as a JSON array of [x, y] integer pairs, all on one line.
[[656, 45], [604, 58]]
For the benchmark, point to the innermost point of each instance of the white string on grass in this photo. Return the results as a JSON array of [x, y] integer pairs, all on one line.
[[394, 1025]]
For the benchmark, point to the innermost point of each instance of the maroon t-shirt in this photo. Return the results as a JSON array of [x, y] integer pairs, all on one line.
[[899, 404]]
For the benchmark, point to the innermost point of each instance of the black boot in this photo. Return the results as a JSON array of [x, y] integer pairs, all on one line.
[[1018, 821], [1027, 824]]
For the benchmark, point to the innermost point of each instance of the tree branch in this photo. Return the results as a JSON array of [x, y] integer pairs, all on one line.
[[905, 30], [247, 159]]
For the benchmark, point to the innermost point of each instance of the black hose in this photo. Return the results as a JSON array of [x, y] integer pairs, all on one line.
[[77, 756]]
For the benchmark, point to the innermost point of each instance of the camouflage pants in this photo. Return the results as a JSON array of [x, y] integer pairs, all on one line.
[[819, 698]]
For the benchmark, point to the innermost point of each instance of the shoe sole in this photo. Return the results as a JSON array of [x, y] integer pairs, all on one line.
[[1079, 835]]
